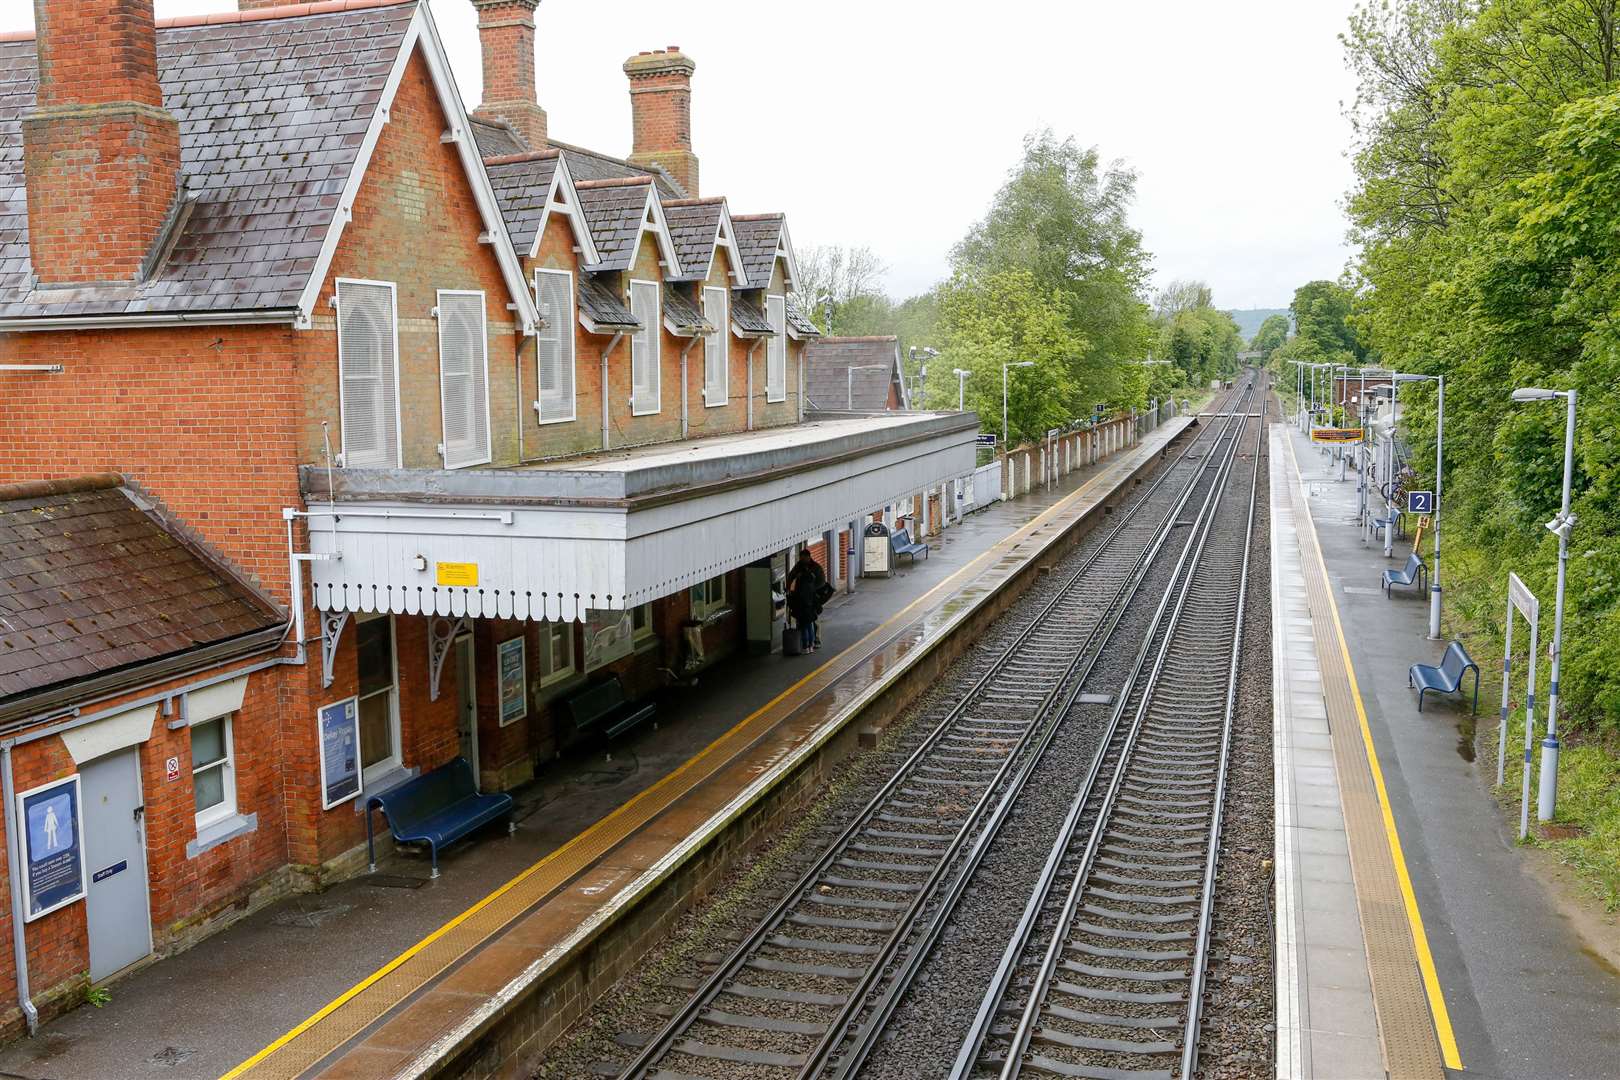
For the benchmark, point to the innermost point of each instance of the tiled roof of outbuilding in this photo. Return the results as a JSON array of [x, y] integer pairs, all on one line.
[[271, 114], [694, 225], [613, 212], [92, 582], [522, 185], [830, 386], [757, 238], [603, 307]]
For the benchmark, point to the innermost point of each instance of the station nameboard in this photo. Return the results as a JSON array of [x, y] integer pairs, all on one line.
[[988, 439], [1336, 435]]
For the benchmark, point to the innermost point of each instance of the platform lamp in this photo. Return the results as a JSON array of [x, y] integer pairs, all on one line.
[[962, 375], [1547, 796], [1005, 434]]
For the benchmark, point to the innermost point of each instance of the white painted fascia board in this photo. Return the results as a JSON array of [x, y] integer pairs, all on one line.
[[422, 31], [784, 251], [562, 182], [726, 235], [900, 377], [291, 316], [660, 227]]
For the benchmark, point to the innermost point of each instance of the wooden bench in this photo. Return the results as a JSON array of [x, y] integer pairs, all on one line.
[[603, 706], [900, 543], [1448, 677], [439, 807], [1413, 571]]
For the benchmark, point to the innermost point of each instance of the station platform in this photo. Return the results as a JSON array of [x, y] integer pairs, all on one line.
[[1412, 940], [382, 974]]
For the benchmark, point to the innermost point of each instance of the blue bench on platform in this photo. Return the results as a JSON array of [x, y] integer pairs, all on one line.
[[901, 543], [1413, 571], [1448, 677], [439, 807]]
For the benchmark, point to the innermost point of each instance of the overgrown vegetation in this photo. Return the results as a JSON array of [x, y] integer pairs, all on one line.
[[1487, 210]]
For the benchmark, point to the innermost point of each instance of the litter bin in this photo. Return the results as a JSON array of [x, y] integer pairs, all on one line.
[[875, 556]]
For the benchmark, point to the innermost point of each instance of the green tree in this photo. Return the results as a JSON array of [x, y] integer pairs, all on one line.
[[1270, 337]]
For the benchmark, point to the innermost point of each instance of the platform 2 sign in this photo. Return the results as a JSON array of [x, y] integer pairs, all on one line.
[[53, 847], [1336, 434], [1420, 502], [339, 725]]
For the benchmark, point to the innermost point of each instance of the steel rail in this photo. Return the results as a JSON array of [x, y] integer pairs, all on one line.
[[1134, 689], [825, 1061], [664, 1042]]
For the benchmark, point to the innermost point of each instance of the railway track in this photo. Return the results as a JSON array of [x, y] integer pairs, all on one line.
[[807, 989], [1104, 977]]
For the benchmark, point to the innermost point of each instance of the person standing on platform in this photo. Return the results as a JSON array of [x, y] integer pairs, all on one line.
[[805, 582]]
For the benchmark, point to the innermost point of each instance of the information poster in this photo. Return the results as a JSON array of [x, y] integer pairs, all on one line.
[[339, 725], [609, 635], [53, 855], [514, 681]]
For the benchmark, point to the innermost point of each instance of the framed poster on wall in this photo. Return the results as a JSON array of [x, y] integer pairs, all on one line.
[[513, 678], [339, 731], [609, 635], [52, 842]]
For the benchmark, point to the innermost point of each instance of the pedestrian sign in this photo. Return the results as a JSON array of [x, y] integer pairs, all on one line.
[[1420, 502]]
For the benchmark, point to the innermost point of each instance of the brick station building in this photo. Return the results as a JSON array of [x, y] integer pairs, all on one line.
[[346, 432]]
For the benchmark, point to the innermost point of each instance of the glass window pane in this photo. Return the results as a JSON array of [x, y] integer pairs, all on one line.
[[208, 743], [376, 730], [376, 637], [209, 786]]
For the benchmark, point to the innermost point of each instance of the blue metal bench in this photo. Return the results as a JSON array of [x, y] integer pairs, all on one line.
[[1413, 571], [900, 543], [1382, 523], [439, 807], [604, 706], [1448, 677]]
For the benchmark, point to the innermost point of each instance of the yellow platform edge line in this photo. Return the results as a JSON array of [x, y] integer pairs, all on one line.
[[1414, 917], [972, 568]]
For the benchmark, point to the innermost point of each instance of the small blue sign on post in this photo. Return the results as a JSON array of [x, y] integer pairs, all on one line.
[[339, 731], [53, 847], [1420, 502], [987, 438]]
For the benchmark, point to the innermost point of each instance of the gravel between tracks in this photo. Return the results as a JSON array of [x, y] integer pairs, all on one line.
[[667, 975]]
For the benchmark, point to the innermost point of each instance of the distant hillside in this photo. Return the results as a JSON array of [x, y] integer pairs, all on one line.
[[1249, 319]]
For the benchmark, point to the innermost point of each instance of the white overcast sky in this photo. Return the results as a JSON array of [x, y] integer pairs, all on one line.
[[891, 123]]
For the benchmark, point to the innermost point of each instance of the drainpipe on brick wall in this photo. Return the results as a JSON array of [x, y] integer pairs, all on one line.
[[685, 411], [19, 944], [607, 352], [752, 349]]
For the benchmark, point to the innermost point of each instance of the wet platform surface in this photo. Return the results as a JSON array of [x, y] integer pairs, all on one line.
[[366, 977], [1508, 987]]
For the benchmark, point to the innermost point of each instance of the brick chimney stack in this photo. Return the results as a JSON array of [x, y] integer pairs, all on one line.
[[506, 32], [661, 113], [101, 155]]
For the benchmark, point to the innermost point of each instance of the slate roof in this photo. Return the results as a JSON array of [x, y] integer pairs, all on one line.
[[827, 379], [747, 314], [591, 165], [521, 189], [601, 304], [92, 583], [757, 236], [798, 321], [271, 113], [613, 212], [495, 137], [683, 314], [694, 226]]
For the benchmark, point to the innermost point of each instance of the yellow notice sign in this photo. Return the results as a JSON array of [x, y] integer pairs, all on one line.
[[462, 574], [1336, 434]]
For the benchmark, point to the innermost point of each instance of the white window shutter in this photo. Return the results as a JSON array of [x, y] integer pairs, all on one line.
[[368, 373], [644, 347], [715, 377], [776, 367], [554, 291], [463, 378]]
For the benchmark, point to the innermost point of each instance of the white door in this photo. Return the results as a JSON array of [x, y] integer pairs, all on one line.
[[120, 921], [467, 702]]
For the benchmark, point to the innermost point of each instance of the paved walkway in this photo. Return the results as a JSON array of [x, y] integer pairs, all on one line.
[[328, 968], [1512, 991]]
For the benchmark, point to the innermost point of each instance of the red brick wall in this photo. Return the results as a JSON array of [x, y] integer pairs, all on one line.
[[584, 433]]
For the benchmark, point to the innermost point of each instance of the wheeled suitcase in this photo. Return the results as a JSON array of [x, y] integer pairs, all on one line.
[[790, 640]]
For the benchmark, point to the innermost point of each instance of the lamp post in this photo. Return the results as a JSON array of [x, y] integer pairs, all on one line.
[[1439, 447], [849, 403], [927, 354], [961, 387], [1005, 434], [1561, 525]]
